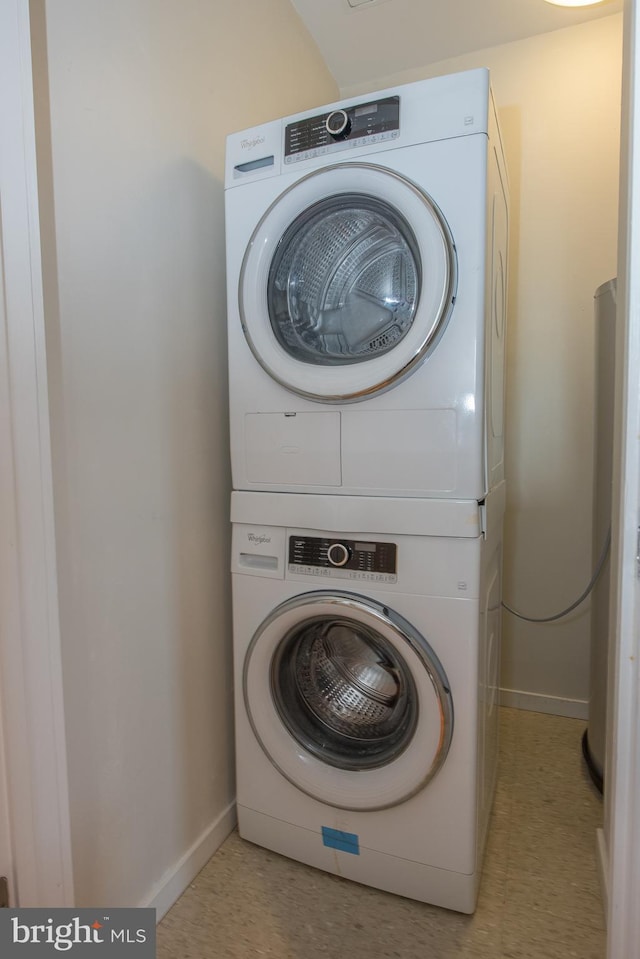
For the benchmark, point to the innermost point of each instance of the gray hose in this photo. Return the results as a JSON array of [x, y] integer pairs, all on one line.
[[581, 598]]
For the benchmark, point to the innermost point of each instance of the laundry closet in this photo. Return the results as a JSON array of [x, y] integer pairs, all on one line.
[[133, 105]]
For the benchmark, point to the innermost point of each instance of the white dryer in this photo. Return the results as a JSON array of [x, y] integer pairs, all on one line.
[[366, 264], [366, 652]]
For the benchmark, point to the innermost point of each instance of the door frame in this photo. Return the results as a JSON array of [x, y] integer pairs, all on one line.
[[31, 694], [622, 827]]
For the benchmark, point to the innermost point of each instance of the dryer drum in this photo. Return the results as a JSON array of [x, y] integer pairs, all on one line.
[[345, 281], [343, 693]]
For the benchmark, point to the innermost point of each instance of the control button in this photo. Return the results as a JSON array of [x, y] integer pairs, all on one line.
[[338, 124], [338, 554]]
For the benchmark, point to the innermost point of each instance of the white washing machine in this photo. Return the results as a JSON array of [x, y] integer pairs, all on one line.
[[366, 669], [366, 264]]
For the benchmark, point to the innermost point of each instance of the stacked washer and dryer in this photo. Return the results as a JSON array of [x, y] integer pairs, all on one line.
[[366, 261]]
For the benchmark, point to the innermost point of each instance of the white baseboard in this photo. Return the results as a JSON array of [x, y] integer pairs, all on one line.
[[572, 708], [174, 883], [602, 861]]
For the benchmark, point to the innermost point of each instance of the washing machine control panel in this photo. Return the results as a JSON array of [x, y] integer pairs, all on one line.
[[345, 558], [341, 129]]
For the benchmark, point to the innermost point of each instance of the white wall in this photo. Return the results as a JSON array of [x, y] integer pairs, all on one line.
[[558, 97], [131, 149]]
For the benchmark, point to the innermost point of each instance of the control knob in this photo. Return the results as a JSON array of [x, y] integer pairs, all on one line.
[[338, 124], [338, 554]]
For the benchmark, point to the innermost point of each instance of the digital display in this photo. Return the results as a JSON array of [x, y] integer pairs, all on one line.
[[367, 108], [365, 547]]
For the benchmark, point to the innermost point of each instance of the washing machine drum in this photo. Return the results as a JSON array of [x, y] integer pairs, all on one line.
[[347, 282], [348, 700]]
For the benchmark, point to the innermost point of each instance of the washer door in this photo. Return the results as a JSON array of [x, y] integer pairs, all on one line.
[[348, 700], [347, 283]]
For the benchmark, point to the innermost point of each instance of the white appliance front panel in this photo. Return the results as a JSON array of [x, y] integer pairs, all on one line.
[[436, 826], [448, 588], [449, 383], [444, 567], [440, 108], [402, 877], [390, 515], [294, 449], [446, 144], [400, 450]]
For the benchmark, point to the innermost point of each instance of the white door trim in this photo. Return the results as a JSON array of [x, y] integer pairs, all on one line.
[[623, 757], [354, 381], [30, 660]]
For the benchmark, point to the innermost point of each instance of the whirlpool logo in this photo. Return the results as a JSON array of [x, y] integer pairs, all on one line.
[[250, 142], [31, 933], [258, 538]]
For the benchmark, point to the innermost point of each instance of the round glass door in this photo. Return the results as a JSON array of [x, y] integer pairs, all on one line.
[[345, 695], [347, 283], [345, 280], [347, 700]]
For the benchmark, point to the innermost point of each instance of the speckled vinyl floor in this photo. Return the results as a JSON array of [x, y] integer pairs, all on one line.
[[539, 897]]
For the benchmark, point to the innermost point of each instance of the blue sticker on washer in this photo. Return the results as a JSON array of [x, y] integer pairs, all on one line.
[[345, 841]]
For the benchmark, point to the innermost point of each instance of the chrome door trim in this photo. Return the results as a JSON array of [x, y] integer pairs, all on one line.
[[433, 334], [355, 605]]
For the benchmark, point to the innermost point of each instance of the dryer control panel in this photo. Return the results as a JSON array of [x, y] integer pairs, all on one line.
[[339, 129], [344, 558]]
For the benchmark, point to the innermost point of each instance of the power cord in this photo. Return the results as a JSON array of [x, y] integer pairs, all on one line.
[[581, 598]]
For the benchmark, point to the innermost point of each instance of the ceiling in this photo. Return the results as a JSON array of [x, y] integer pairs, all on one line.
[[380, 38]]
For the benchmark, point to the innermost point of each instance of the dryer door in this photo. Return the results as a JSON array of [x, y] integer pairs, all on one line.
[[347, 283], [347, 700]]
